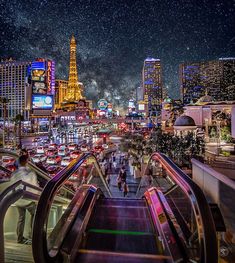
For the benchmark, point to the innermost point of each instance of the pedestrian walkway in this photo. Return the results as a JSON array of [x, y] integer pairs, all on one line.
[[130, 180]]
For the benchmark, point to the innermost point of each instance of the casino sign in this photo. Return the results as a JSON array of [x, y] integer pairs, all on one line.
[[102, 104]]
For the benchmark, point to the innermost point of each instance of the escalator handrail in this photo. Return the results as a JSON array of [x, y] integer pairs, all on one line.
[[204, 219], [165, 226], [45, 202]]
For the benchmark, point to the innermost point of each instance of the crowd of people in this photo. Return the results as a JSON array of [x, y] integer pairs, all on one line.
[[115, 164]]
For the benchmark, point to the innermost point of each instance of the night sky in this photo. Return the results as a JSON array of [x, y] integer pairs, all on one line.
[[114, 37]]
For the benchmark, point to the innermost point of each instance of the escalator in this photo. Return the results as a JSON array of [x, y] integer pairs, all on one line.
[[170, 221], [113, 230]]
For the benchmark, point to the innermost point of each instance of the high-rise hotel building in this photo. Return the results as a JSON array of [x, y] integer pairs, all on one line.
[[28, 86], [152, 86], [13, 86], [216, 78]]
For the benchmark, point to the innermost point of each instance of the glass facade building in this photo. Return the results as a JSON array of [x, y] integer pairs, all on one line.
[[216, 78], [13, 86]]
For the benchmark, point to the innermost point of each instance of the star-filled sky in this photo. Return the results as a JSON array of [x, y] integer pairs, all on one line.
[[115, 36]]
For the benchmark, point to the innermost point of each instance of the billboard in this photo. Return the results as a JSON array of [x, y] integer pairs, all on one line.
[[42, 77], [42, 102], [38, 71], [39, 87], [102, 104]]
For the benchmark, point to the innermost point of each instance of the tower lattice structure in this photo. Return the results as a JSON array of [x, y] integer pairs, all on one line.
[[74, 92]]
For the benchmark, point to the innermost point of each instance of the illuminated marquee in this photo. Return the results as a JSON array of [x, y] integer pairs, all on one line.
[[50, 77]]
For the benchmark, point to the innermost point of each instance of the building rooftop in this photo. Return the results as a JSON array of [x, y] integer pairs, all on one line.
[[152, 59]]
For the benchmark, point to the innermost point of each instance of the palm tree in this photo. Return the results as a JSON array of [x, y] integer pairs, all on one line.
[[4, 102], [18, 121]]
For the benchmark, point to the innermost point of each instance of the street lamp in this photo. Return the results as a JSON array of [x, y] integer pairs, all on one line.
[[218, 135]]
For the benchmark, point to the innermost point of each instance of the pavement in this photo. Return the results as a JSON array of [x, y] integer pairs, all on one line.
[[130, 180]]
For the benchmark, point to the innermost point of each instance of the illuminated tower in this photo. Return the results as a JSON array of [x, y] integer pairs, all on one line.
[[74, 92]]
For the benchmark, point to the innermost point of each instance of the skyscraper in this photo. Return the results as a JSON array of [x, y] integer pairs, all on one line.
[[217, 78], [152, 85], [74, 92], [13, 86]]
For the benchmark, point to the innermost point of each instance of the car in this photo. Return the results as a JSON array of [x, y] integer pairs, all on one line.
[[40, 149], [84, 148], [4, 177], [98, 149], [36, 139], [62, 147], [38, 158], [7, 160], [72, 146], [31, 152], [66, 161], [53, 170], [105, 146], [53, 159], [63, 152], [11, 167], [9, 146], [75, 154], [53, 146], [51, 152], [46, 140]]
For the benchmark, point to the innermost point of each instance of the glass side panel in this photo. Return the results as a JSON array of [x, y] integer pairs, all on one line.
[[180, 203], [69, 198]]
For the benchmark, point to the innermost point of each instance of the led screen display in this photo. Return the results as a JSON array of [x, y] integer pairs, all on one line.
[[43, 102], [38, 75], [39, 87]]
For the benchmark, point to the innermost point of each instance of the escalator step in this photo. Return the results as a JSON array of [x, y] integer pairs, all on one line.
[[122, 223], [114, 257], [121, 202], [146, 244], [119, 232], [120, 211]]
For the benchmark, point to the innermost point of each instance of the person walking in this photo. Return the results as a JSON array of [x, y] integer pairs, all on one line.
[[125, 189], [26, 175], [119, 183], [113, 157], [122, 174], [108, 178]]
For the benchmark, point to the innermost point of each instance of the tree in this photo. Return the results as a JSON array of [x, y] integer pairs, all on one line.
[[18, 121], [4, 102]]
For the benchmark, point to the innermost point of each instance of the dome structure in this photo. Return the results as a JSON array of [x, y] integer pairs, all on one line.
[[184, 120], [204, 100]]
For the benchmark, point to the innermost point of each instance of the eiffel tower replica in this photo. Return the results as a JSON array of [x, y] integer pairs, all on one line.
[[75, 88]]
